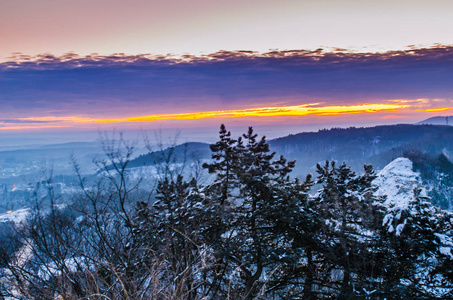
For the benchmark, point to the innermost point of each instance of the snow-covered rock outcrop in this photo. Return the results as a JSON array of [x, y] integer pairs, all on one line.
[[397, 181]]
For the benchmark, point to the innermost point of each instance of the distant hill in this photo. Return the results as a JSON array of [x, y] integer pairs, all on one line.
[[177, 154], [439, 120], [376, 145], [356, 146]]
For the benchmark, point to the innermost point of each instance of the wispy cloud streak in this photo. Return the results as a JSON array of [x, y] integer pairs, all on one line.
[[314, 109]]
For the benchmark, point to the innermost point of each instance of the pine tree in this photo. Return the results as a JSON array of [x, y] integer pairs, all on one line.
[[220, 206], [179, 219], [257, 197], [418, 243], [225, 160], [294, 225], [349, 214]]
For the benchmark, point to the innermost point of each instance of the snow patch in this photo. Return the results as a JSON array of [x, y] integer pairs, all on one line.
[[446, 251], [400, 228], [446, 244], [17, 216]]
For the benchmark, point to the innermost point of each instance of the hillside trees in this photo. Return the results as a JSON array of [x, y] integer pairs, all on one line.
[[251, 232]]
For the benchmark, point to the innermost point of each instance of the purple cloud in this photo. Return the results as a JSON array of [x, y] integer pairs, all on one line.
[[227, 79]]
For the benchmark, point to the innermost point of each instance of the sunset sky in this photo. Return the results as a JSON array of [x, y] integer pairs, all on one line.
[[84, 65]]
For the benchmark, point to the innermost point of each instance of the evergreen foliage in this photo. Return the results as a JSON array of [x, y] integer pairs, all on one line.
[[252, 232]]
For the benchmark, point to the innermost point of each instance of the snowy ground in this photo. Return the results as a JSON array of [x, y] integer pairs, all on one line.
[[16, 216]]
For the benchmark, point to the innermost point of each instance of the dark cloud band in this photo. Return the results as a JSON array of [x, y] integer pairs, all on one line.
[[96, 84]]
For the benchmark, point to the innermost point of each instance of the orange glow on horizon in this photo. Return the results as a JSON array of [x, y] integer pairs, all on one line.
[[435, 109], [272, 111], [391, 109]]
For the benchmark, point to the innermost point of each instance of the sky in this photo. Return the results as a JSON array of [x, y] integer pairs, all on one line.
[[284, 66]]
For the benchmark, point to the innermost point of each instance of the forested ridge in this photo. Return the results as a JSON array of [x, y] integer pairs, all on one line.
[[356, 146], [251, 232]]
